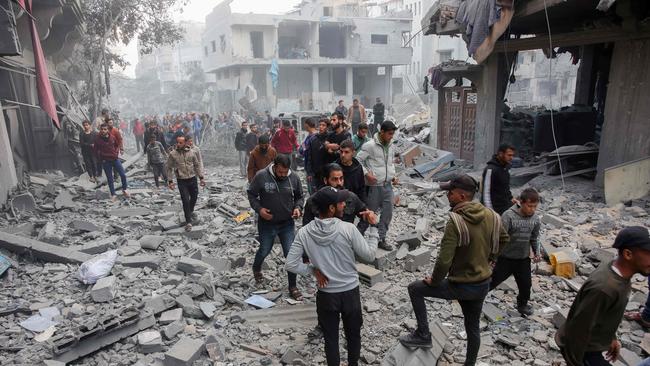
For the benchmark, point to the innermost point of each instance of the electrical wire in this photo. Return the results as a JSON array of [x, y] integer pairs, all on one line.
[[550, 97]]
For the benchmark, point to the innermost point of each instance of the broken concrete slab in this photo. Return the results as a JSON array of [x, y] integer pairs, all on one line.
[[369, 275], [166, 225], [130, 212], [190, 309], [413, 238], [417, 259], [45, 252], [150, 341], [171, 316], [218, 264], [196, 233], [64, 200], [138, 261], [104, 289], [303, 316], [151, 241], [492, 313], [158, 304], [22, 203], [184, 352], [97, 246], [189, 265], [422, 225], [383, 258], [85, 226], [402, 356], [48, 234], [171, 330]]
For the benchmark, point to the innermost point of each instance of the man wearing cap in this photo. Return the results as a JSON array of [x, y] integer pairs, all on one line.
[[472, 240], [331, 245], [261, 156], [376, 156], [590, 328]]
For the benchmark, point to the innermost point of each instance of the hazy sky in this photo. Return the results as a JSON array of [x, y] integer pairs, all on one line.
[[198, 9]]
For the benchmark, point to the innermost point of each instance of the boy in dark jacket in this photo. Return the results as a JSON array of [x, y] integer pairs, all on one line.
[[156, 158], [523, 225], [495, 191], [276, 195], [242, 149], [355, 180], [87, 141]]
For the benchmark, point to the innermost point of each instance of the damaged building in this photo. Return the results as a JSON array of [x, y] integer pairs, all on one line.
[[304, 60], [29, 140], [608, 40]]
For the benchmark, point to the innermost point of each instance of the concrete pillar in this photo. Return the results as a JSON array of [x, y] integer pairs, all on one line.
[[314, 45], [349, 81], [491, 89], [270, 92], [434, 105], [585, 79], [389, 86], [314, 80], [8, 177]]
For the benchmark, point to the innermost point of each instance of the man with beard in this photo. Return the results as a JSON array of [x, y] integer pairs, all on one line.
[[496, 180], [472, 241], [154, 130], [352, 170], [242, 149], [317, 153], [261, 156], [185, 163], [107, 150], [334, 139], [275, 194], [354, 206], [331, 244]]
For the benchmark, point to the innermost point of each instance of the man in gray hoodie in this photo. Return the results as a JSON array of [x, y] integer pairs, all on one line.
[[331, 245], [275, 193]]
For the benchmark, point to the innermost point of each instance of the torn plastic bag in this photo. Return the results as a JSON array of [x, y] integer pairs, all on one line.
[[97, 267]]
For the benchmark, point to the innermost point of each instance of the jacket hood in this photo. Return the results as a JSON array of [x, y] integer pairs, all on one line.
[[323, 231], [259, 151], [472, 212], [270, 168], [355, 164], [496, 162]]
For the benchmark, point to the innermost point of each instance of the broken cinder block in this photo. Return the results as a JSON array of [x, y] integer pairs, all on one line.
[[104, 289], [184, 352], [189, 265], [368, 275], [417, 258], [413, 238]]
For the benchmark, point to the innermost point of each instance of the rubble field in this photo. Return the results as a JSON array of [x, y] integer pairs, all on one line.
[[167, 297]]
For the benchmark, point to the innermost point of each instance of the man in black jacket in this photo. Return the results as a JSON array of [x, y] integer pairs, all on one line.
[[251, 139], [155, 130], [355, 180], [317, 152], [242, 149], [275, 193], [495, 190]]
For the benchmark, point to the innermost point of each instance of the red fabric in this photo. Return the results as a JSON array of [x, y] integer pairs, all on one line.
[[284, 142], [138, 128], [21, 3], [45, 94], [107, 149], [117, 135]]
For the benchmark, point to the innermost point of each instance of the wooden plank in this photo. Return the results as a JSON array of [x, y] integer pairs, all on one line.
[[534, 6], [627, 181]]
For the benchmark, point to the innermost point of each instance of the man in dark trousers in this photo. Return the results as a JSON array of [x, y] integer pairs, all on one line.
[[317, 152], [251, 138], [495, 191], [154, 130], [331, 245], [355, 180], [354, 206], [597, 311], [335, 137], [275, 194], [378, 112], [472, 241], [242, 149], [185, 163]]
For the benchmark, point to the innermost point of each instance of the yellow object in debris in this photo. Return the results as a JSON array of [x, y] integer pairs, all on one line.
[[242, 217], [563, 264]]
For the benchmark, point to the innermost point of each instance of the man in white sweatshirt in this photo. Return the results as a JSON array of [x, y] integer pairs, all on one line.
[[331, 245]]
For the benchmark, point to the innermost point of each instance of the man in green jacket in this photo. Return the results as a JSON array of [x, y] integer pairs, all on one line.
[[596, 312], [472, 241]]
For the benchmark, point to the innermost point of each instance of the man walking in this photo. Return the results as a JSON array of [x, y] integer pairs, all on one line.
[[352, 170], [251, 138], [495, 192], [101, 119], [156, 157], [335, 138], [197, 127], [242, 149], [138, 133], [276, 195], [87, 142], [596, 313], [317, 153], [356, 115], [154, 130], [331, 245], [472, 240], [522, 225], [341, 108], [285, 141], [107, 150], [376, 156], [354, 206], [261, 156], [184, 162], [378, 111], [361, 137], [305, 149]]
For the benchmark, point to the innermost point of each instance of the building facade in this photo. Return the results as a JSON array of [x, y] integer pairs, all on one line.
[[304, 60]]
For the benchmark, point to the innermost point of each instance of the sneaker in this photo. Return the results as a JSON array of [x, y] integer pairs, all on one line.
[[385, 246], [526, 310], [415, 340]]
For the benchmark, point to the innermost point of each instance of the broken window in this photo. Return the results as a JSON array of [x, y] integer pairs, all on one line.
[[328, 11], [205, 50], [379, 38], [332, 41], [222, 43], [406, 36], [294, 40], [444, 55], [339, 81], [214, 46], [257, 44]]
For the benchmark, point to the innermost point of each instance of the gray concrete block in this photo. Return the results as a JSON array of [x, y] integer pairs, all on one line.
[[171, 330], [417, 258], [189, 307], [554, 221], [97, 246], [218, 264], [189, 265], [130, 212], [104, 290], [150, 341], [559, 318], [85, 226], [171, 316], [139, 261], [422, 225], [383, 258], [167, 225], [492, 313], [399, 355], [184, 352], [369, 275], [413, 238], [196, 233], [151, 241], [158, 304]]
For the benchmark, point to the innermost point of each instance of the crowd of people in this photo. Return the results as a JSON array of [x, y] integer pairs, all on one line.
[[350, 175]]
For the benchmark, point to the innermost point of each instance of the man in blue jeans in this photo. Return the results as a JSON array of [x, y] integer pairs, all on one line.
[[275, 193], [107, 150], [472, 241]]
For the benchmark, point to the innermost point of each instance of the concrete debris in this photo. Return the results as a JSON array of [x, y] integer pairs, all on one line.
[[178, 298]]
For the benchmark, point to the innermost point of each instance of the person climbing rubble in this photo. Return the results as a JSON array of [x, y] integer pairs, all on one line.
[[185, 164]]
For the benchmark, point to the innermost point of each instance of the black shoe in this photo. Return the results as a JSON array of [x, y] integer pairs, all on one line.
[[415, 340], [526, 310], [385, 246]]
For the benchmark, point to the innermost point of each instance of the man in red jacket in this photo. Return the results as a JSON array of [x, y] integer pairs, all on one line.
[[107, 149], [285, 142], [115, 132], [138, 132]]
